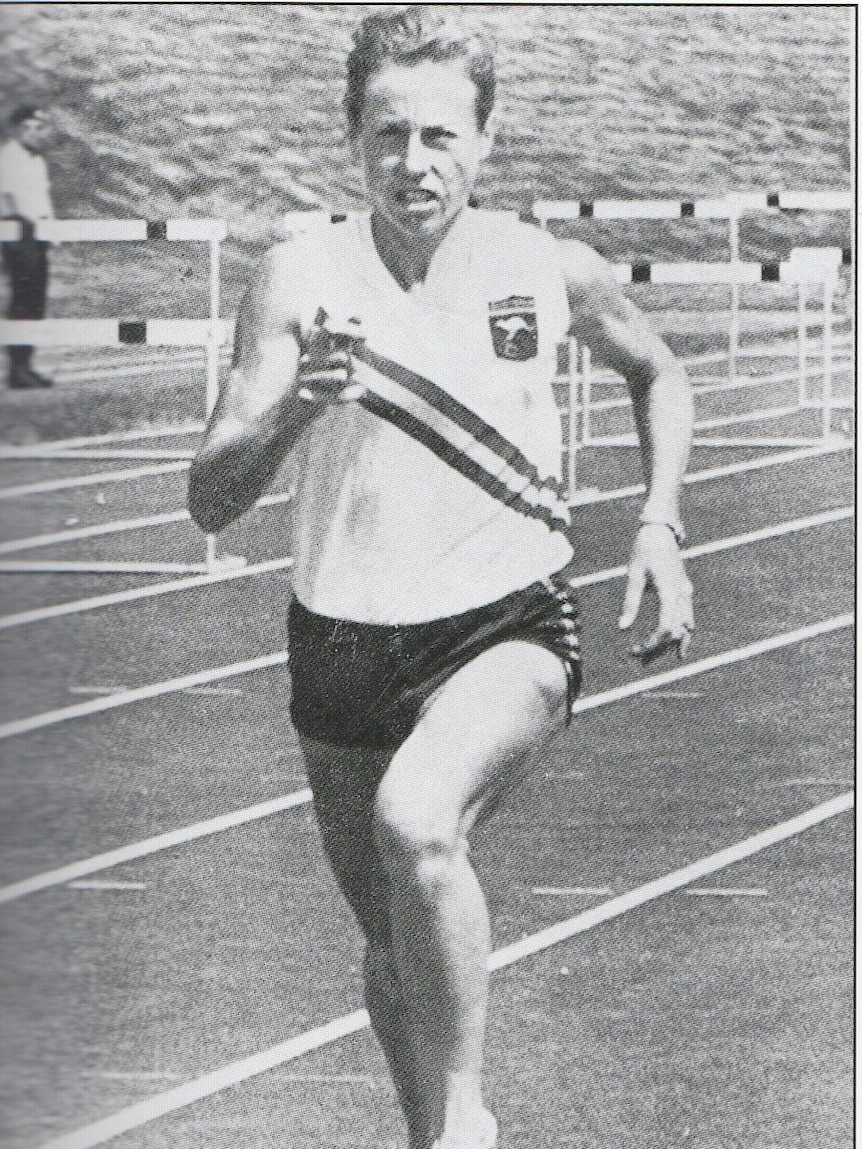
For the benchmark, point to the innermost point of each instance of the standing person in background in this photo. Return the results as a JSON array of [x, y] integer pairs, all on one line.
[[405, 356], [25, 196]]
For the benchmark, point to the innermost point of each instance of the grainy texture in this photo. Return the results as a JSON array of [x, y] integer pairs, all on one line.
[[235, 112]]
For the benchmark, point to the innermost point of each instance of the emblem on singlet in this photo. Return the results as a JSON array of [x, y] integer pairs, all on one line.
[[514, 327]]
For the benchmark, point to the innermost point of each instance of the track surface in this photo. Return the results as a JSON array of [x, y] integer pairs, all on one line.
[[708, 1021]]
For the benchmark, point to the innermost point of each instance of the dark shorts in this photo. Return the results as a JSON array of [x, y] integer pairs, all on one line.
[[364, 685]]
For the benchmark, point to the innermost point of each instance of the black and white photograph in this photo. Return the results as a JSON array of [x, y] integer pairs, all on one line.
[[427, 560]]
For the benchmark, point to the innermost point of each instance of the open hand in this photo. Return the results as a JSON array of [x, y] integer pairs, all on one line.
[[657, 563]]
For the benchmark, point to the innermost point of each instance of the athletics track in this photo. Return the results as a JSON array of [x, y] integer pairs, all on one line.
[[167, 986]]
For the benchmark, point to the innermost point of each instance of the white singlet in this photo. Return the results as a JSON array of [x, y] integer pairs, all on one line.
[[438, 491]]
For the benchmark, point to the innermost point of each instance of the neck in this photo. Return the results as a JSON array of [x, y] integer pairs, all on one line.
[[406, 258]]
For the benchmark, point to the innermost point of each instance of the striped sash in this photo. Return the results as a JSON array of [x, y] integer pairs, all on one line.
[[459, 437]]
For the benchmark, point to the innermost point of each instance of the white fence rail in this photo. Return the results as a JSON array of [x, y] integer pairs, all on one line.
[[807, 269], [210, 333]]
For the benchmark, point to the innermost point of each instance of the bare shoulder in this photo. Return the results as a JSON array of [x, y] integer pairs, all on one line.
[[582, 263], [590, 283], [601, 315]]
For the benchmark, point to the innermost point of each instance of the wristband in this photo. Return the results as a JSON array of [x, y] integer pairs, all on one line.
[[676, 528]]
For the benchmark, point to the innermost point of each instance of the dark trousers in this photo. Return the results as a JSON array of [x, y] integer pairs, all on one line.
[[26, 265]]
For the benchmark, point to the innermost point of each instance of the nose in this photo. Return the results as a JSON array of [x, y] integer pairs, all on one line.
[[416, 154]]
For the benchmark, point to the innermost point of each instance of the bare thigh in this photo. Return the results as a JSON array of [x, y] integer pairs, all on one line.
[[473, 742], [471, 746]]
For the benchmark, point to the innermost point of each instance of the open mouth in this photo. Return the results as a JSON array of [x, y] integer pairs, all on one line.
[[416, 198]]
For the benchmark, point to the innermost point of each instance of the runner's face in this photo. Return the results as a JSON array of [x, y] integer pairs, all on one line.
[[420, 145], [35, 133]]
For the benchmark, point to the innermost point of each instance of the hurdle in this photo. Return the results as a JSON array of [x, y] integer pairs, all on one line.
[[210, 334], [806, 267], [731, 207]]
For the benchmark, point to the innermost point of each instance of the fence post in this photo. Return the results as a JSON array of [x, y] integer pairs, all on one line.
[[803, 345], [586, 395], [819, 265], [573, 419], [828, 296], [733, 350], [213, 345]]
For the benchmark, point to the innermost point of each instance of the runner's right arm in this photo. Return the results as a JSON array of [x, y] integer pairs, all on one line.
[[260, 412]]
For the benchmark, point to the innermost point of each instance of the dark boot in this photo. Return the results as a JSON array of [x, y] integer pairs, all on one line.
[[20, 375]]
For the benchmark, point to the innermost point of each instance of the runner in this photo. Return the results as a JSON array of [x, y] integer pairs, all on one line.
[[404, 359]]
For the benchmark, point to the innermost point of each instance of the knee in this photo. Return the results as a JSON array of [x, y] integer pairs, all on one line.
[[417, 846]]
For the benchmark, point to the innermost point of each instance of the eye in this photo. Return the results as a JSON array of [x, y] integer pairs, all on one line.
[[438, 137], [390, 132]]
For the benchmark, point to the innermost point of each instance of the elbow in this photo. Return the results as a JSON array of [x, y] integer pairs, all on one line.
[[206, 517], [206, 509]]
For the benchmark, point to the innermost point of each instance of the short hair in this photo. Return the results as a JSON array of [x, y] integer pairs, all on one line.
[[23, 112], [408, 36]]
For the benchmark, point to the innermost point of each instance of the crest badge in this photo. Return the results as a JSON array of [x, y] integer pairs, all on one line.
[[514, 327]]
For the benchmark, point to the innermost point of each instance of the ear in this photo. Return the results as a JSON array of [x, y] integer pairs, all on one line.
[[488, 136]]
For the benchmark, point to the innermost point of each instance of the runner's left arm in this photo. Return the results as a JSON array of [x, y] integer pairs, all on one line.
[[620, 337]]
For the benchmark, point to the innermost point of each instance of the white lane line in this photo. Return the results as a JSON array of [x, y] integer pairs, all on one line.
[[135, 594], [215, 691], [153, 845], [97, 689], [571, 891], [752, 442], [728, 892], [763, 413], [110, 374], [813, 782], [141, 694], [725, 658], [91, 532], [131, 1075], [145, 1111], [715, 546], [21, 566], [46, 453], [127, 475], [330, 1078], [116, 526], [113, 437], [105, 884], [679, 695], [302, 797], [766, 414], [705, 475], [708, 473], [134, 1116], [214, 674], [675, 880]]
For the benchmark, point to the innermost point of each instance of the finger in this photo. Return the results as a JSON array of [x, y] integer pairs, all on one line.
[[327, 388], [660, 639], [323, 355], [338, 359], [634, 593], [330, 381], [684, 644], [350, 394], [659, 643], [688, 616]]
